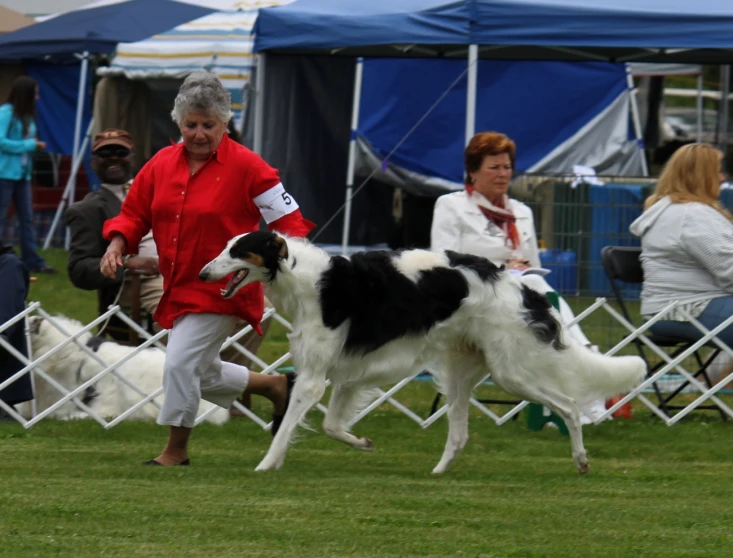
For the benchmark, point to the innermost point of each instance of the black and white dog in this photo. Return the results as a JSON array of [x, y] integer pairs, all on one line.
[[380, 317]]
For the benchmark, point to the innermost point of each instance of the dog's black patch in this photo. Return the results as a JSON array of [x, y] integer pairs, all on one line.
[[382, 304], [539, 318], [486, 270], [95, 342], [265, 244]]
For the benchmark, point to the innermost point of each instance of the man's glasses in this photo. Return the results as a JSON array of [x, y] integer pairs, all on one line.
[[106, 152]]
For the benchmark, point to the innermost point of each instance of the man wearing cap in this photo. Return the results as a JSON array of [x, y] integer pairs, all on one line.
[[112, 160]]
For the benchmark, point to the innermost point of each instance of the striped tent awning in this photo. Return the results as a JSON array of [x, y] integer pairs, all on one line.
[[220, 43]]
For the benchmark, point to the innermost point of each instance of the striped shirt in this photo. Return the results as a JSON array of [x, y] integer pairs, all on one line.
[[687, 256]]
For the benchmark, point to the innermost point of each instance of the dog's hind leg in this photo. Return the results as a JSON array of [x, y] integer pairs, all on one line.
[[567, 409], [341, 408], [463, 370], [307, 391]]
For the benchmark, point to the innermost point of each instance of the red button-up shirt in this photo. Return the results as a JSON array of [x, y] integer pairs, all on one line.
[[192, 218]]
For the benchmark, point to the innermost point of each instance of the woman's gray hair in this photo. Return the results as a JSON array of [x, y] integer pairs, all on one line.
[[202, 92]]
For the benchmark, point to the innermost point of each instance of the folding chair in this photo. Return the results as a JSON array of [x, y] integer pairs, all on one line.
[[623, 264]]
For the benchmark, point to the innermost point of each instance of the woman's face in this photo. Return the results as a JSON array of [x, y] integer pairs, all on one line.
[[202, 133], [493, 176]]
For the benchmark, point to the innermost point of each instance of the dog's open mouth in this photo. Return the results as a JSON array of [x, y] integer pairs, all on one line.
[[236, 279]]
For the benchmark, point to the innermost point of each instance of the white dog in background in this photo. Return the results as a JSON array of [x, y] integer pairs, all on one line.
[[109, 397]]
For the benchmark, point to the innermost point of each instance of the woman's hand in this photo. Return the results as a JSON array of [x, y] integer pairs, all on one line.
[[521, 265], [112, 258], [40, 145]]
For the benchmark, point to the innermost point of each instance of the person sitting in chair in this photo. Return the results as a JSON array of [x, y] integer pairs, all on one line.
[[482, 220], [113, 158], [687, 246], [14, 283]]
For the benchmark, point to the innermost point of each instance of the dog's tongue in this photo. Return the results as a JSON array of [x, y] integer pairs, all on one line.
[[233, 282]]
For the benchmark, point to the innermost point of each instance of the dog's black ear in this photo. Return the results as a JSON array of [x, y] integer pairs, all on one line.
[[282, 253]]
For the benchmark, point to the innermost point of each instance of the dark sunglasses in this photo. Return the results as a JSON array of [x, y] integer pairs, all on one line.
[[106, 152]]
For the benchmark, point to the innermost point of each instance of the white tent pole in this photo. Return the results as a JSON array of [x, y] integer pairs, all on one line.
[[350, 170], [71, 184], [724, 104], [77, 129], [259, 105], [636, 118], [698, 139], [69, 187], [471, 92]]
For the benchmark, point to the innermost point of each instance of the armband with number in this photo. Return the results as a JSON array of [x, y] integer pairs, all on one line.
[[275, 203]]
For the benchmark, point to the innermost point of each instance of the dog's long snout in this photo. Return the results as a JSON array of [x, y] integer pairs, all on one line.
[[204, 274]]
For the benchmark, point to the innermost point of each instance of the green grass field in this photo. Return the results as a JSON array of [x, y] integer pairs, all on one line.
[[75, 489]]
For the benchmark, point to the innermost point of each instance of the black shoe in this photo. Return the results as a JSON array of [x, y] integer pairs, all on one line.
[[277, 420], [153, 462], [44, 269]]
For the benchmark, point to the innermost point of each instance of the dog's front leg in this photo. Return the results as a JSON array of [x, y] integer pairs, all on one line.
[[307, 391]]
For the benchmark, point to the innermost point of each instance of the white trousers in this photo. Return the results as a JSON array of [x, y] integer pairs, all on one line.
[[538, 283], [193, 369]]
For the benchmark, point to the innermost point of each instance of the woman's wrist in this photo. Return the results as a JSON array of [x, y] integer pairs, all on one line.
[[118, 243]]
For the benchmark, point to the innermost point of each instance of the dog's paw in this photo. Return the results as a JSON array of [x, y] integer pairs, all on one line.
[[264, 467], [441, 468], [269, 464], [365, 444], [581, 463]]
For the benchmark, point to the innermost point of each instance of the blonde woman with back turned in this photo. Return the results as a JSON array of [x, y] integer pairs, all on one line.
[[687, 245]]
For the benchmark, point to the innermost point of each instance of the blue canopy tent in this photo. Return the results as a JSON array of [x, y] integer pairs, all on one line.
[[93, 29], [560, 113], [605, 30], [611, 30]]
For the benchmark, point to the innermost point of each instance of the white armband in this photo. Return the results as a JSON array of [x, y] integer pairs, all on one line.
[[275, 203]]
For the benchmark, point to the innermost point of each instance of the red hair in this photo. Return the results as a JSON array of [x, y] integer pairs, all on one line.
[[487, 143]]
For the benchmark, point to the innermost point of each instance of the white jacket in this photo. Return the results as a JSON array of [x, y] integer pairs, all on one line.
[[459, 225], [686, 254]]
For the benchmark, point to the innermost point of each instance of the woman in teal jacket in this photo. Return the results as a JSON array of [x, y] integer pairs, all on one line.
[[17, 143]]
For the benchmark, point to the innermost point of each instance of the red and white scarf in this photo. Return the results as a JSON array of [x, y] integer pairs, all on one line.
[[497, 214]]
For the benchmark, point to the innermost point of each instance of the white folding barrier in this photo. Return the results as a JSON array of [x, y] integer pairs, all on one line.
[[672, 363], [389, 396], [149, 340]]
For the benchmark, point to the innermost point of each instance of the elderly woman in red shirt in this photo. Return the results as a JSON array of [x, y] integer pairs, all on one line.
[[197, 195]]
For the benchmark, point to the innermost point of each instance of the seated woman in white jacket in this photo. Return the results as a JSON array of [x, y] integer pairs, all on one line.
[[687, 245], [483, 220]]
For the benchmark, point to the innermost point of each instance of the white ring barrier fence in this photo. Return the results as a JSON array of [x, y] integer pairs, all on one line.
[[72, 395]]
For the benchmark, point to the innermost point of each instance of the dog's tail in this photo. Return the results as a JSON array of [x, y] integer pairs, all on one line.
[[600, 376]]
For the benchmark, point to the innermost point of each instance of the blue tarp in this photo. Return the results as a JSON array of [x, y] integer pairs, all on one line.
[[56, 110], [98, 30], [613, 208], [548, 104], [319, 24]]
